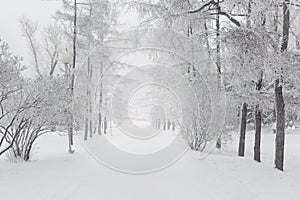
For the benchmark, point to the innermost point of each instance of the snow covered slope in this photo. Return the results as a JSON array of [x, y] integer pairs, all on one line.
[[54, 174]]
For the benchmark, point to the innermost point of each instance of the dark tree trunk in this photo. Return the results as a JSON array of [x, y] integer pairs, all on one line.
[[86, 129], [274, 115], [286, 25], [99, 123], [218, 37], [27, 152], [249, 13], [219, 143], [105, 126], [91, 128], [280, 111], [258, 122], [243, 130], [280, 123], [257, 134], [218, 60], [173, 126]]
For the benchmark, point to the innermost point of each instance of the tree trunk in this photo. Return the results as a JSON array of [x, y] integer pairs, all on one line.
[[86, 129], [257, 134], [91, 128], [280, 111], [280, 123], [219, 143], [218, 37], [274, 115], [243, 131], [99, 124], [70, 129], [105, 126], [207, 38], [286, 25], [249, 13]]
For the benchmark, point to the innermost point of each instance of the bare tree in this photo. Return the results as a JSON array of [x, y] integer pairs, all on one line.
[[53, 38], [29, 29]]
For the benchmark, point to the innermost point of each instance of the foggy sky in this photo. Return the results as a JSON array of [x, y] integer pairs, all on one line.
[[12, 10]]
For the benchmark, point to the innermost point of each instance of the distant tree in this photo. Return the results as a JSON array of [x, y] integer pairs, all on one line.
[[29, 29], [53, 38]]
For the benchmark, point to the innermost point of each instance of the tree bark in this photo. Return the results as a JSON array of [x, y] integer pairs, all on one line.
[[243, 130], [218, 60], [280, 125], [257, 134], [286, 25], [280, 110], [218, 37], [249, 13], [71, 128]]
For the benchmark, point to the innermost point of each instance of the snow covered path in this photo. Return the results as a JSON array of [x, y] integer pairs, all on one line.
[[54, 174]]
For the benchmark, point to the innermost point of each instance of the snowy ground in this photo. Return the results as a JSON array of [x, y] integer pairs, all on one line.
[[54, 174]]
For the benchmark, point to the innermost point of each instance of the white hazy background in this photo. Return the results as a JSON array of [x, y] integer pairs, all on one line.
[[10, 29], [41, 11]]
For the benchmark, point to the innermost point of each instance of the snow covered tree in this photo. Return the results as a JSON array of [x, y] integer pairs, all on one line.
[[47, 108], [10, 69], [29, 29], [280, 106]]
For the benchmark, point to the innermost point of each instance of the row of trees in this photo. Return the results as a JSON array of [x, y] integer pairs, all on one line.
[[253, 43], [45, 102]]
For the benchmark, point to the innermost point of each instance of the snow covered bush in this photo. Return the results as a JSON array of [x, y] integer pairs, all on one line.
[[48, 109], [10, 69], [28, 108]]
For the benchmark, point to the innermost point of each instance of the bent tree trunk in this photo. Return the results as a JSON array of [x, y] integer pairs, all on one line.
[[243, 130], [280, 122], [257, 134]]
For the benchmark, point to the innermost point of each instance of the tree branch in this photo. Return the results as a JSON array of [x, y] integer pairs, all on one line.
[[212, 2]]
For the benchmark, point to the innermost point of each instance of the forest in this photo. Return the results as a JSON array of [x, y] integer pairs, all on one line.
[[149, 86]]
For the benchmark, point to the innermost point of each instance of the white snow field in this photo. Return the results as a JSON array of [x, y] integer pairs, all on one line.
[[53, 174]]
